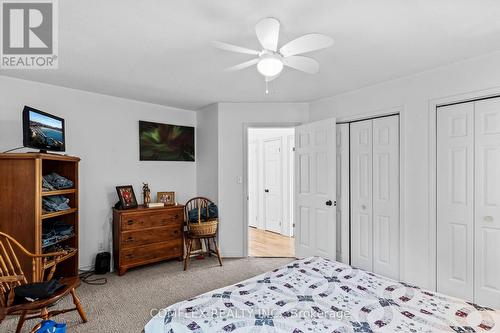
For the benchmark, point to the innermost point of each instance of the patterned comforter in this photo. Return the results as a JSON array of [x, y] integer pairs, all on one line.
[[319, 295]]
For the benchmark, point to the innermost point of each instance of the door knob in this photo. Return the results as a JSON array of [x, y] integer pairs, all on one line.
[[266, 190], [363, 207], [328, 203], [488, 219]]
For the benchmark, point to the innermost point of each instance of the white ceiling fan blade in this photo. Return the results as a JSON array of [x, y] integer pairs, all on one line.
[[306, 43], [242, 65], [268, 31], [234, 48], [304, 64]]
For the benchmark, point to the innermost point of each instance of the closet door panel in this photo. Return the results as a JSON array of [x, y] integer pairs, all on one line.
[[343, 193], [455, 200], [386, 196], [487, 203], [361, 195]]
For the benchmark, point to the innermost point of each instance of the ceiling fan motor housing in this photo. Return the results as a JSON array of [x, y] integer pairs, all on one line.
[[270, 63]]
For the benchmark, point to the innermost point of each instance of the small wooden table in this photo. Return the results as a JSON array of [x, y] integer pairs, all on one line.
[[146, 235]]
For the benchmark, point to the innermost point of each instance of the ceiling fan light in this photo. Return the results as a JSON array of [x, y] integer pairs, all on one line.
[[270, 66]]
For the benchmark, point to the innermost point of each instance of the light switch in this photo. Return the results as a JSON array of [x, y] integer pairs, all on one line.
[[239, 180]]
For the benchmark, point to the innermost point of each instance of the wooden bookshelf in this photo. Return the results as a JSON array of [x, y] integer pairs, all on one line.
[[21, 211]]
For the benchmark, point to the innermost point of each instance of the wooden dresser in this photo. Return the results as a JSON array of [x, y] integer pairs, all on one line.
[[146, 235]]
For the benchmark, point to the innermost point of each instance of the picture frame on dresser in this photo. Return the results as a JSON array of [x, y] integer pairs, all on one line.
[[167, 198], [126, 196]]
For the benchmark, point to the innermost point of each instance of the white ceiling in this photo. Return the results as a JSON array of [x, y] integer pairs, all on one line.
[[159, 50]]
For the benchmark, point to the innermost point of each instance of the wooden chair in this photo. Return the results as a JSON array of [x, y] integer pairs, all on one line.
[[11, 276], [199, 230]]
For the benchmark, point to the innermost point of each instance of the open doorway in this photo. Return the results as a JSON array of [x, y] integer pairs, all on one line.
[[270, 192]]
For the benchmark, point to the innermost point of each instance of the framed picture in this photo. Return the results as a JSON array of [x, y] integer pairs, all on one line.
[[127, 196], [163, 142], [168, 198]]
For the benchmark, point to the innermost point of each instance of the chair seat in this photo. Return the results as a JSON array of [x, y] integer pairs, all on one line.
[[69, 284], [192, 236]]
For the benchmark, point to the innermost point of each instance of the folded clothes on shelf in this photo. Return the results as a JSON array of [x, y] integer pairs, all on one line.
[[55, 181], [58, 248], [55, 232], [55, 203]]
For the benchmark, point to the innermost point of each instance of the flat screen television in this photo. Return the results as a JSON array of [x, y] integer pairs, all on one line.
[[42, 130]]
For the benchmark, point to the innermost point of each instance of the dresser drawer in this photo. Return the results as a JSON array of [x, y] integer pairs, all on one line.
[[150, 236], [159, 219], [151, 253]]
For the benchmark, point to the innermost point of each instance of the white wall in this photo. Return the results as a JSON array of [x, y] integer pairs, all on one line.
[[207, 152], [232, 119], [259, 135], [104, 132], [413, 94]]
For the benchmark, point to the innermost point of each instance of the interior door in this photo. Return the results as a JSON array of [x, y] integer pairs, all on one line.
[[386, 196], [290, 191], [487, 203], [455, 200], [361, 195], [273, 185], [315, 165], [253, 184]]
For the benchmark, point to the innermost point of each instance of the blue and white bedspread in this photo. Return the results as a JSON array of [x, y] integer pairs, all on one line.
[[319, 295]]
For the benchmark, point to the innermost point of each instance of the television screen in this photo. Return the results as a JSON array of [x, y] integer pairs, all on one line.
[[42, 130], [162, 142]]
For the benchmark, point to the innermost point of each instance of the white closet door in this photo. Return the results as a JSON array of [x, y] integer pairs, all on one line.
[[386, 196], [455, 200], [487, 203], [343, 193], [361, 195]]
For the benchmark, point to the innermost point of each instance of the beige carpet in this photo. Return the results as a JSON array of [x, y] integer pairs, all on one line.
[[124, 303]]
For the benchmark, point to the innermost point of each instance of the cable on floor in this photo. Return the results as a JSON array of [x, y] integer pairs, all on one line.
[[85, 277]]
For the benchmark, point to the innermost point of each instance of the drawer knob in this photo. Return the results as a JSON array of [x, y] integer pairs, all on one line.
[[130, 239], [129, 256], [176, 216], [130, 222]]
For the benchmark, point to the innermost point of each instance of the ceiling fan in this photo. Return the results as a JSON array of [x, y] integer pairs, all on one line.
[[271, 60]]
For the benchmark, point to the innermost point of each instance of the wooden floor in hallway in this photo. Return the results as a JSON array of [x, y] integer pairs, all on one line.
[[264, 243]]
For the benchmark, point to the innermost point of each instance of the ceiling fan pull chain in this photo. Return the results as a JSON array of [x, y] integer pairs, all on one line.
[[267, 87]]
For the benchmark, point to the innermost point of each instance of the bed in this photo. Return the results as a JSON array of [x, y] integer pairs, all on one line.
[[320, 295]]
